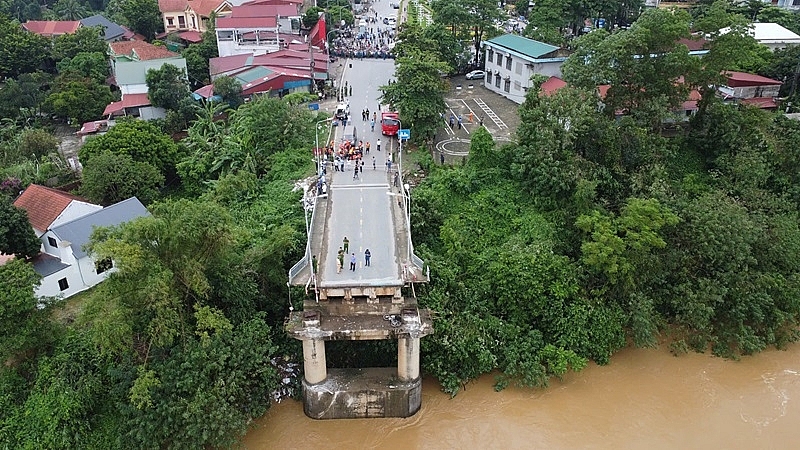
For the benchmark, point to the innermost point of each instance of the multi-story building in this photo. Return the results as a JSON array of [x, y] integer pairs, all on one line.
[[511, 60]]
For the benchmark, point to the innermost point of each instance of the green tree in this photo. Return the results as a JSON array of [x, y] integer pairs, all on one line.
[[111, 178], [185, 403], [451, 14], [85, 65], [84, 40], [782, 16], [482, 16], [230, 90], [77, 98], [23, 52], [197, 58], [418, 93], [311, 16], [23, 10], [642, 64], [139, 139], [143, 16], [16, 233], [22, 99], [37, 142], [335, 15], [167, 86], [70, 10]]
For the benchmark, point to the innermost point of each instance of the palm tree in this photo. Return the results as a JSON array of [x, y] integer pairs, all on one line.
[[71, 10]]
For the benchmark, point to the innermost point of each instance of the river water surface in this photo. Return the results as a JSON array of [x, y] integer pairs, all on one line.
[[644, 399]]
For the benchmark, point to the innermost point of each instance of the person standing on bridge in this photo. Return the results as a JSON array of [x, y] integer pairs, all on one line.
[[379, 144], [345, 244], [339, 260], [353, 262], [367, 255]]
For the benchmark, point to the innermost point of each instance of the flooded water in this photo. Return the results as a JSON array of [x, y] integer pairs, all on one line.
[[645, 399]]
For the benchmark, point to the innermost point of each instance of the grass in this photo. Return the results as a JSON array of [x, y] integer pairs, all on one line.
[[68, 310]]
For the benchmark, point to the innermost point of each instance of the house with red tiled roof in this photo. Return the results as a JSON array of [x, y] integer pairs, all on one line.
[[750, 89], [51, 28], [64, 223], [130, 61], [258, 28], [48, 207], [191, 15]]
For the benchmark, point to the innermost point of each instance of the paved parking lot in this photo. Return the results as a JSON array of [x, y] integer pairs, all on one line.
[[475, 104]]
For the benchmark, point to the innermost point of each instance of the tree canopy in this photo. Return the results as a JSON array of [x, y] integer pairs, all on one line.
[[16, 233], [139, 139]]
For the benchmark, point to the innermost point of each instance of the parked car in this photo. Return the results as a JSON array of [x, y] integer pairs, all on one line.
[[476, 75], [395, 5], [392, 21]]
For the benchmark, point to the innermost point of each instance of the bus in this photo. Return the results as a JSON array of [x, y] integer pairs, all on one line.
[[390, 123]]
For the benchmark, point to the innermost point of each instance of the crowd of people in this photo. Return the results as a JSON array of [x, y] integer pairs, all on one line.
[[364, 41]]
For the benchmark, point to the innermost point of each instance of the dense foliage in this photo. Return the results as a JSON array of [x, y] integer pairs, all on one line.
[[589, 232]]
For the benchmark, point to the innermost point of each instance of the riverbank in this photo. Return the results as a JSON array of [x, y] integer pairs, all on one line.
[[644, 399]]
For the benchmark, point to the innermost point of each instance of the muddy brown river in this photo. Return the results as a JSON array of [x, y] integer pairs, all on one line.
[[645, 399]]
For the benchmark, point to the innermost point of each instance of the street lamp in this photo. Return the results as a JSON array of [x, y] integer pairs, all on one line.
[[316, 144]]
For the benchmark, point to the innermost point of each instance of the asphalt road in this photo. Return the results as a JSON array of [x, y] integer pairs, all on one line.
[[360, 208]]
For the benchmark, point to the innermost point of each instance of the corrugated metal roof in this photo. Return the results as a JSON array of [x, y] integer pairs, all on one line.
[[523, 45], [256, 73], [78, 231]]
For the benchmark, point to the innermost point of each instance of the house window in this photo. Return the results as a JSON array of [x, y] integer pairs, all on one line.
[[170, 22], [499, 59], [181, 22], [52, 242], [508, 62], [194, 23], [497, 80], [225, 35], [491, 55], [103, 265], [507, 86], [63, 285], [517, 85], [519, 68]]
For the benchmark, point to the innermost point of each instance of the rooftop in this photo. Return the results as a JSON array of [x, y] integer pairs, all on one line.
[[45, 264], [738, 79], [128, 101], [44, 204], [51, 27], [140, 50], [79, 231], [112, 30], [523, 45], [767, 32]]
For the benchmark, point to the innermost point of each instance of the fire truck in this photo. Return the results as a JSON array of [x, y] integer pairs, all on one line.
[[390, 123]]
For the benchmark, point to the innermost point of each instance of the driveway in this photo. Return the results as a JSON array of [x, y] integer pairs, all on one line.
[[475, 104]]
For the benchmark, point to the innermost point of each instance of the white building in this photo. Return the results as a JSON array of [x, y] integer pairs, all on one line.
[[771, 35], [511, 60], [789, 4], [64, 223], [258, 28]]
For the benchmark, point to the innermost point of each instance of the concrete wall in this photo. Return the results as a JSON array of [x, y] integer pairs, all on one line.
[[362, 393], [49, 285]]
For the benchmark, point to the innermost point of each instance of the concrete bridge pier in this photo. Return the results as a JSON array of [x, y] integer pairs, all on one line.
[[314, 361], [408, 358]]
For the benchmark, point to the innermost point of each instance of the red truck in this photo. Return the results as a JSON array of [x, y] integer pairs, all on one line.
[[390, 123]]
